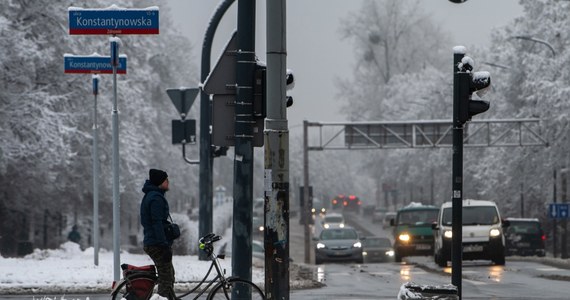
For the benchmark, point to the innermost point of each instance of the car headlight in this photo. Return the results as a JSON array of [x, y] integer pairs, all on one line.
[[404, 237], [447, 234], [357, 245], [341, 225], [494, 232], [313, 210], [390, 252], [261, 228], [323, 210], [327, 225], [364, 253], [320, 246]]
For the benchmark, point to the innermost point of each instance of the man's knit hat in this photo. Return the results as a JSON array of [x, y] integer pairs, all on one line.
[[157, 177]]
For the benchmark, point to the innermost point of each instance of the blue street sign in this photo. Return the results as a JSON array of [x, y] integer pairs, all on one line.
[[93, 64], [113, 20], [558, 210]]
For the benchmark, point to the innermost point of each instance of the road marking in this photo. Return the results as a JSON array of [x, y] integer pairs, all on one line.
[[475, 282]]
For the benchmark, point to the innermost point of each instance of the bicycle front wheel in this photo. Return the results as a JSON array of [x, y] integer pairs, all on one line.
[[236, 289]]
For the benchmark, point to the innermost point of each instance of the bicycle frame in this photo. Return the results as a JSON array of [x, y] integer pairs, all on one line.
[[220, 277]]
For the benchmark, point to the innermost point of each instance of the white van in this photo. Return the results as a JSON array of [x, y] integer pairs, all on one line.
[[483, 236]]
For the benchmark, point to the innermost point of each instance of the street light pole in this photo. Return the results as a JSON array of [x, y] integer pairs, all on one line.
[[206, 157], [532, 39]]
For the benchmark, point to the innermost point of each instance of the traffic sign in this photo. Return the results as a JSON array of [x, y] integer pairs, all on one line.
[[184, 131], [92, 64], [182, 98], [558, 210], [222, 79], [113, 20]]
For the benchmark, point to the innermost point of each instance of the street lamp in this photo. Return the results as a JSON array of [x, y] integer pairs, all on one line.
[[530, 38]]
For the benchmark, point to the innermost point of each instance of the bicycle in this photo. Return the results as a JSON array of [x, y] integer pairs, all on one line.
[[138, 283]]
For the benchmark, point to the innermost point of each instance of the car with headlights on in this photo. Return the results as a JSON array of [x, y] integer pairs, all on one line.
[[337, 245], [377, 249], [482, 234], [412, 231], [333, 220]]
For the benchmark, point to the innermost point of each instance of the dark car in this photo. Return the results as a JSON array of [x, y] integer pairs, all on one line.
[[413, 234], [338, 244], [377, 249], [525, 237]]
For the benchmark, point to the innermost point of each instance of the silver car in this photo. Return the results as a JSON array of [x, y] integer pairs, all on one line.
[[338, 244]]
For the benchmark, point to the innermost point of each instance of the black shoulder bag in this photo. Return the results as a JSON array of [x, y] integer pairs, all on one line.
[[171, 230]]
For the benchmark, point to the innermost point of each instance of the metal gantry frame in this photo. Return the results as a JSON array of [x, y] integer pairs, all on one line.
[[422, 134]]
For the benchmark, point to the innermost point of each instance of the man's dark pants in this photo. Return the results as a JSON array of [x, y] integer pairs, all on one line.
[[162, 258]]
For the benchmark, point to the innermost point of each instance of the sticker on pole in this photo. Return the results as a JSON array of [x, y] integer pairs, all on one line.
[[92, 64], [113, 20]]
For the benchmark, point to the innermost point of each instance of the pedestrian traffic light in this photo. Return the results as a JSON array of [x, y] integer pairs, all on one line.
[[471, 83]]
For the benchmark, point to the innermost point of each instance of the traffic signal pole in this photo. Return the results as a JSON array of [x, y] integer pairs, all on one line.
[[243, 159], [457, 177], [276, 239]]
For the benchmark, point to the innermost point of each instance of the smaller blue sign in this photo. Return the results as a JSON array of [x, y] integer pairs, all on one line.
[[93, 64], [559, 210]]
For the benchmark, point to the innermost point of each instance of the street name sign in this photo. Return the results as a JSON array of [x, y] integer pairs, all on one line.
[[113, 20], [92, 64], [558, 210]]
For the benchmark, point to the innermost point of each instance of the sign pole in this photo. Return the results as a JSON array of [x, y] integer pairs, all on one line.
[[114, 41], [95, 230]]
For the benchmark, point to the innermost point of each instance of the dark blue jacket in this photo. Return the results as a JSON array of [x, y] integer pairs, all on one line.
[[154, 215]]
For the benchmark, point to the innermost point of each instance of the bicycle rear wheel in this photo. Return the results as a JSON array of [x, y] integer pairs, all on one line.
[[240, 288], [138, 287]]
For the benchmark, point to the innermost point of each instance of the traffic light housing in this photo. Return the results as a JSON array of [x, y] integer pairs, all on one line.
[[472, 83], [260, 90]]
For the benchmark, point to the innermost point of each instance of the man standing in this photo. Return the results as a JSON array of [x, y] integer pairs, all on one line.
[[154, 218]]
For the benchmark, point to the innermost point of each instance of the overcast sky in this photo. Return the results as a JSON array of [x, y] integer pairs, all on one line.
[[318, 55]]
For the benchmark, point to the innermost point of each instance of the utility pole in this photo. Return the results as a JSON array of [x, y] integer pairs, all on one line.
[[243, 159], [276, 175]]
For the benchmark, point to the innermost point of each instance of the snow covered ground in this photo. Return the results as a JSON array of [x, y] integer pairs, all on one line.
[[70, 270]]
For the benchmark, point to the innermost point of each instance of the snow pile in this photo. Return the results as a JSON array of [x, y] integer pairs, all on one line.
[[70, 270]]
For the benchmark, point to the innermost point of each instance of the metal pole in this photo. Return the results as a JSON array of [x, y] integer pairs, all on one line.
[[116, 201], [206, 157], [276, 157], [305, 208], [522, 200], [457, 177], [564, 222], [95, 229], [243, 159], [555, 223]]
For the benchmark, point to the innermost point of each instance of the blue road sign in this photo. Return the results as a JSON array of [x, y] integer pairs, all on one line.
[[113, 20], [93, 64], [558, 210]]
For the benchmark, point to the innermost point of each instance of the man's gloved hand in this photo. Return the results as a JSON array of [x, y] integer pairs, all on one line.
[[166, 254]]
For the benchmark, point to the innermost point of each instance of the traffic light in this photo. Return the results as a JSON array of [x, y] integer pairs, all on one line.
[[260, 90], [471, 83]]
